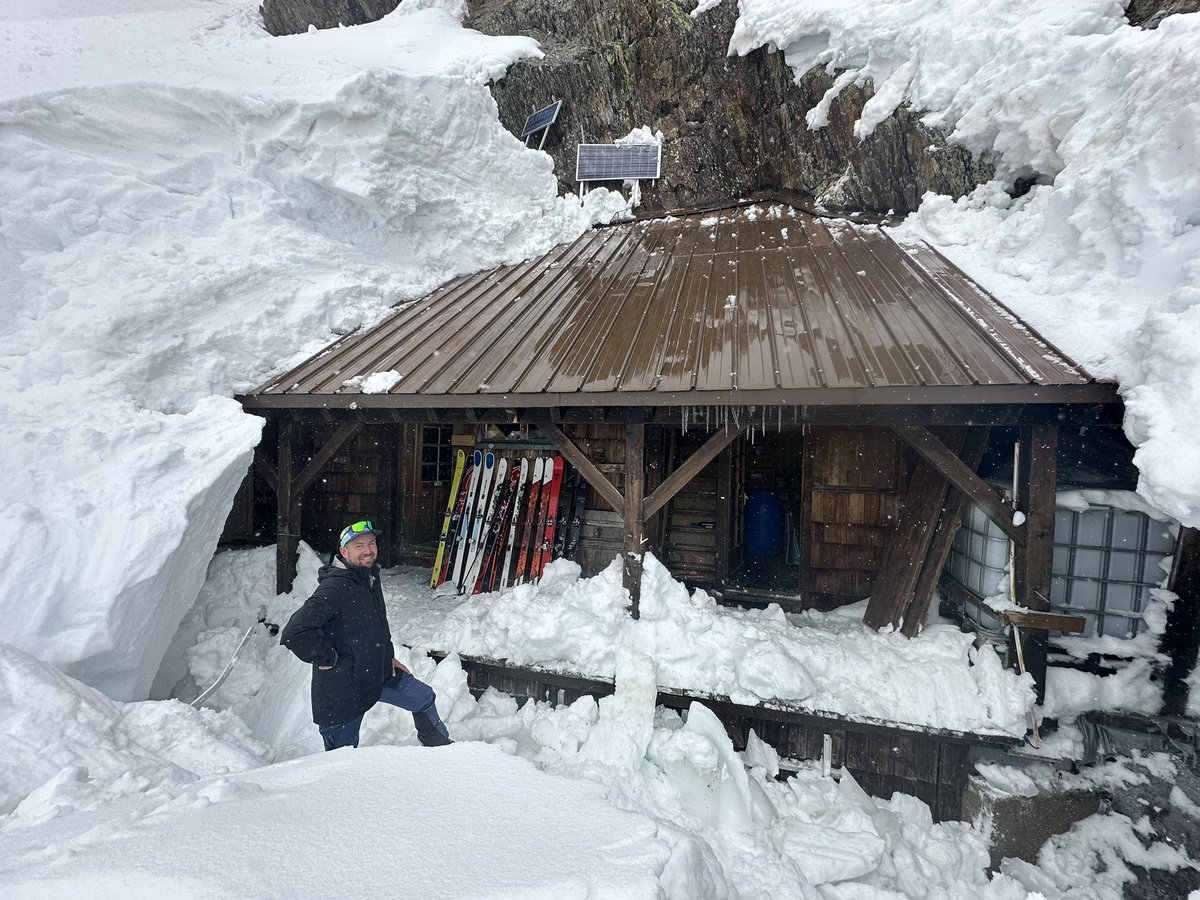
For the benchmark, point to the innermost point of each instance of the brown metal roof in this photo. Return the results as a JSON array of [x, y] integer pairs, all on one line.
[[757, 304]]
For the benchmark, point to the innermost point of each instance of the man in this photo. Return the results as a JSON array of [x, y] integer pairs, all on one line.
[[342, 630]]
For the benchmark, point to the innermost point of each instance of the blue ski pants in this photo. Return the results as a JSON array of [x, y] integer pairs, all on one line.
[[402, 690]]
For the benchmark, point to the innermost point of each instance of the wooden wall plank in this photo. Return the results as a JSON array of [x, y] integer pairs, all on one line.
[[905, 553]]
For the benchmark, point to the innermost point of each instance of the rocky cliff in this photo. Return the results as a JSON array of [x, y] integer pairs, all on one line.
[[732, 126]]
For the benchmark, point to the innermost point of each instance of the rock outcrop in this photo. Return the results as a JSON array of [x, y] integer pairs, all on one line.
[[1149, 13], [732, 126], [294, 16]]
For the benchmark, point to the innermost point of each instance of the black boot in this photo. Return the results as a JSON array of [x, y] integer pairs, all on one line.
[[428, 733]]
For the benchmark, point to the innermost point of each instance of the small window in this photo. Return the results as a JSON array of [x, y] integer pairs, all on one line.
[[436, 454]]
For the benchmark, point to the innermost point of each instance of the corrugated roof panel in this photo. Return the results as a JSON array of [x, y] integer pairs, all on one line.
[[753, 299], [715, 362], [841, 365], [550, 343], [931, 358], [599, 348], [663, 305]]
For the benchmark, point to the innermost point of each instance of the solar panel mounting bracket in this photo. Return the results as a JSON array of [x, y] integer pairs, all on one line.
[[541, 120]]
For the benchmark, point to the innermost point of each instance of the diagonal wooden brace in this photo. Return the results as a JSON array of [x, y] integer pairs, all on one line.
[[678, 479], [584, 466]]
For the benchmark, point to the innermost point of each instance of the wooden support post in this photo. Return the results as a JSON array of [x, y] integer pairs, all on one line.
[[917, 611], [1181, 639], [1037, 480], [635, 517], [287, 517]]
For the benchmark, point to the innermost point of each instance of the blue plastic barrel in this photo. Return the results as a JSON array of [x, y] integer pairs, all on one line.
[[764, 523]]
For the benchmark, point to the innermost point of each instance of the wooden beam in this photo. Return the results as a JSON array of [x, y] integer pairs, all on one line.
[[264, 468], [1044, 621], [321, 458], [287, 514], [584, 466], [962, 477], [1047, 621], [695, 463], [1033, 562], [1181, 639], [635, 519], [916, 613]]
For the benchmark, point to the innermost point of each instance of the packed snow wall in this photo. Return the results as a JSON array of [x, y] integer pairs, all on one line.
[[187, 205]]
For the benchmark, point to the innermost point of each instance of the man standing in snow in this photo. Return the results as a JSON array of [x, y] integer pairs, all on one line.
[[342, 630]]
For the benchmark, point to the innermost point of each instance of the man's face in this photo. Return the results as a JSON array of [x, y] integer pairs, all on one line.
[[361, 551]]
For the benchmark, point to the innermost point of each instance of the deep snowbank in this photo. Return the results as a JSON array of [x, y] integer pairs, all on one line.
[[187, 205], [1103, 254], [622, 800], [821, 662], [824, 663]]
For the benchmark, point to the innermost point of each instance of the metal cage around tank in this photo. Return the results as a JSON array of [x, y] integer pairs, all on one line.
[[1106, 562]]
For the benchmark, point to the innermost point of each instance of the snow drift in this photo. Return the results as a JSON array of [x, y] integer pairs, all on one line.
[[187, 205]]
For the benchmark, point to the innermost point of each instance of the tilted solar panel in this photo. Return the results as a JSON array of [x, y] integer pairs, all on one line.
[[543, 118], [617, 162]]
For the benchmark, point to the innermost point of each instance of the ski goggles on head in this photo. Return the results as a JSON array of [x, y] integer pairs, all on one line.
[[350, 532]]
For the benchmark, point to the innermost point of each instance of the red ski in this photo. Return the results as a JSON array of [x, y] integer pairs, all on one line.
[[523, 549], [532, 555], [550, 505]]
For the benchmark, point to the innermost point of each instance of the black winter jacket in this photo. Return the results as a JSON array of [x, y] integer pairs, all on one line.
[[344, 624]]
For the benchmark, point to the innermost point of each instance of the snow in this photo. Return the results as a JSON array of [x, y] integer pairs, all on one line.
[[599, 799], [188, 207], [829, 663], [1102, 255], [147, 279], [399, 816]]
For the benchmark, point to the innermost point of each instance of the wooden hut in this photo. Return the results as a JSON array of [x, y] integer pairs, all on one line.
[[678, 362]]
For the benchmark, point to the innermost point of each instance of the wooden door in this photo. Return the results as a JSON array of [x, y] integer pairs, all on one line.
[[851, 478]]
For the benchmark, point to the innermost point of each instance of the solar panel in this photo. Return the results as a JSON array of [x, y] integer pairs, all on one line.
[[543, 118], [617, 162]]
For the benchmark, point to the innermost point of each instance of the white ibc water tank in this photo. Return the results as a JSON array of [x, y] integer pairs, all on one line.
[[1106, 560]]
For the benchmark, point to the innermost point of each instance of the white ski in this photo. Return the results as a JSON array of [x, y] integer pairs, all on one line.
[[477, 502], [498, 476]]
